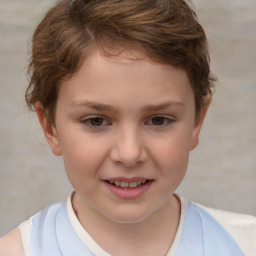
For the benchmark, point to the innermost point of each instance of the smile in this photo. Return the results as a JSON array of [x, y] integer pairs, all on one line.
[[128, 188], [126, 184]]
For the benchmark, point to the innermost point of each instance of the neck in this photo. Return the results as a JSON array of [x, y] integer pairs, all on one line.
[[152, 236]]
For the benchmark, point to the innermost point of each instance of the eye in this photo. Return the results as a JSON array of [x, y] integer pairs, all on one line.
[[160, 121], [96, 121]]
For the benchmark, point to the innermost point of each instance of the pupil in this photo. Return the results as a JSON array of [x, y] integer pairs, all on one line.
[[158, 120], [97, 121]]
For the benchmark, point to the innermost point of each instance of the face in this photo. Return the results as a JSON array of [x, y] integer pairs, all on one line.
[[125, 128]]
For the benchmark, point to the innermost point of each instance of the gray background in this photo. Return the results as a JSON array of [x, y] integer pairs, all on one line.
[[222, 169]]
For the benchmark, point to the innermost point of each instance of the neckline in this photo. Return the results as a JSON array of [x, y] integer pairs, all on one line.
[[97, 250], [177, 237]]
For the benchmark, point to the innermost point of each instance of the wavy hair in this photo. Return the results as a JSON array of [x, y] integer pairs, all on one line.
[[166, 30]]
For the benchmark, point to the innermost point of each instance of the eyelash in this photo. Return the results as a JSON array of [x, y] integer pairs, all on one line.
[[164, 121], [88, 121]]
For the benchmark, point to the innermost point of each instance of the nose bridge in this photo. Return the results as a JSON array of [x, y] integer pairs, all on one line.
[[129, 148]]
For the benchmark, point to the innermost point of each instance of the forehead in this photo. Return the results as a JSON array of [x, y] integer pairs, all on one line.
[[125, 61], [128, 76]]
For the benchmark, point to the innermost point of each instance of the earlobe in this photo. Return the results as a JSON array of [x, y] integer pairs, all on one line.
[[49, 129], [199, 121]]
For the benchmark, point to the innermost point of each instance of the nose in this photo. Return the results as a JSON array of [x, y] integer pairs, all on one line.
[[128, 148]]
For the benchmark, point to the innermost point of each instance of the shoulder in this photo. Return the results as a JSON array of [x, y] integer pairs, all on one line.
[[11, 244], [241, 227], [232, 219]]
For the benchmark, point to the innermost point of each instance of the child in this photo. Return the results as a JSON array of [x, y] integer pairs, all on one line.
[[121, 89]]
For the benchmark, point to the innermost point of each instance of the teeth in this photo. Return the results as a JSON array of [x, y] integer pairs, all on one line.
[[125, 184], [133, 184], [117, 183]]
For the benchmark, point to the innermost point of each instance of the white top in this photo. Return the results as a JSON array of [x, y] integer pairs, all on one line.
[[241, 227], [97, 250]]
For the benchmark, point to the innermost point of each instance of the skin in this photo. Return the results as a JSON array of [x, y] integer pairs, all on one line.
[[11, 244], [126, 118]]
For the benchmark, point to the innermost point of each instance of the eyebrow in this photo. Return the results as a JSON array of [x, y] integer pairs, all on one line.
[[92, 105], [162, 106], [104, 107]]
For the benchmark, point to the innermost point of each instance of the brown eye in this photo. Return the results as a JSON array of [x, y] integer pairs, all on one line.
[[161, 121], [97, 121], [158, 120]]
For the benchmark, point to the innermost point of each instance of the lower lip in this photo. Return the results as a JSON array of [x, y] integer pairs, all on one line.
[[128, 193]]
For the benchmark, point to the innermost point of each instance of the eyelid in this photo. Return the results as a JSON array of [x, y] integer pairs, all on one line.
[[87, 119], [168, 118]]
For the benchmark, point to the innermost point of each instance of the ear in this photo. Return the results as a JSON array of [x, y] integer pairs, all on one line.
[[49, 129], [199, 121]]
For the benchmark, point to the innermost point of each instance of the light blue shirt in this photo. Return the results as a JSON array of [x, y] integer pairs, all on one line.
[[52, 234]]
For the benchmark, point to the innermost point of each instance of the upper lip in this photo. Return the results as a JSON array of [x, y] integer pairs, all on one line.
[[132, 179]]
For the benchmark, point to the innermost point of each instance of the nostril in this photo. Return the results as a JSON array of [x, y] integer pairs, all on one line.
[[128, 150]]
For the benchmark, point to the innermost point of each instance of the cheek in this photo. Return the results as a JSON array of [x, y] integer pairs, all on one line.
[[173, 169], [171, 155], [82, 159], [174, 162]]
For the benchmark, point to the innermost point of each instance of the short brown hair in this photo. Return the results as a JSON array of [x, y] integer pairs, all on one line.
[[166, 30]]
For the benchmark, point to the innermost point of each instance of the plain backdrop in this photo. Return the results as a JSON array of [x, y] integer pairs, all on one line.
[[222, 170]]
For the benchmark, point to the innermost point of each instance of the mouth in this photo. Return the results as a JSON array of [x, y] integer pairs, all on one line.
[[128, 188], [127, 184]]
